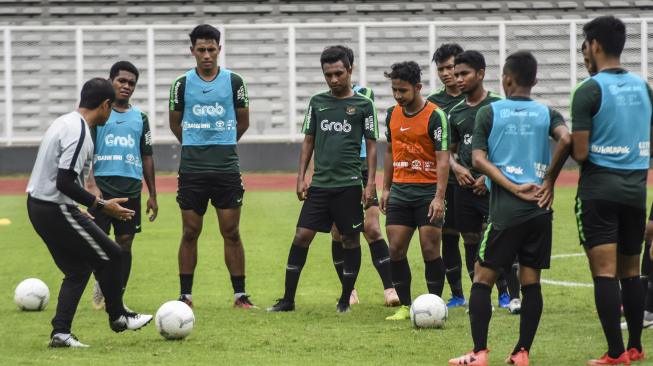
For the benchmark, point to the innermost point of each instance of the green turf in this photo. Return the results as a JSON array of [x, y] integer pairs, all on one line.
[[569, 332]]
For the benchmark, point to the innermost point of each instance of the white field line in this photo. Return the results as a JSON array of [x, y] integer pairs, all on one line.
[[566, 283]]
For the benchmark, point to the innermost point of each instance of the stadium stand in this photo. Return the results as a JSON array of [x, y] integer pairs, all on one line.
[[45, 79]]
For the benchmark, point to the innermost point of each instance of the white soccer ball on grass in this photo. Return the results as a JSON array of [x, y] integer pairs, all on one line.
[[32, 294], [428, 311], [174, 320]]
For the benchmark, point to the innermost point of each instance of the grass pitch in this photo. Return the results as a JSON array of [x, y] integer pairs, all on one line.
[[569, 332]]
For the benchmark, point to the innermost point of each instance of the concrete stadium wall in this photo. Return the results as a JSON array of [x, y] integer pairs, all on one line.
[[259, 157]]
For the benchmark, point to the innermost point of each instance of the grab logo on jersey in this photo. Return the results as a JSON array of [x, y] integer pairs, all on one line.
[[208, 110], [517, 170], [113, 140], [343, 126]]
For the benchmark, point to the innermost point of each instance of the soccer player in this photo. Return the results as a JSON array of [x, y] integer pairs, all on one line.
[[123, 157], [77, 245], [416, 158], [511, 147], [371, 226], [445, 98], [471, 198], [335, 123], [209, 113], [611, 124]]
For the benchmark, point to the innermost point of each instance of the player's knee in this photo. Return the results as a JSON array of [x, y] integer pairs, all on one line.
[[430, 252], [397, 252], [648, 234], [301, 240], [372, 232], [350, 241], [125, 241], [190, 235], [471, 237], [231, 236]]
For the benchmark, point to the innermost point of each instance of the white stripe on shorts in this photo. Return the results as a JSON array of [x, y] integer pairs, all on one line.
[[83, 232]]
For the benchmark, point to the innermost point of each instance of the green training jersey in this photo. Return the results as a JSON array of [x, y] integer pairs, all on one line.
[[118, 186], [598, 182], [506, 209], [339, 126], [461, 120]]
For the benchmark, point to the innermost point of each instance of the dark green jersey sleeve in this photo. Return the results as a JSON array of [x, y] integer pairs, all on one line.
[[482, 127], [388, 115], [556, 120], [239, 88], [177, 91], [309, 120], [146, 137], [371, 125], [585, 103], [439, 130]]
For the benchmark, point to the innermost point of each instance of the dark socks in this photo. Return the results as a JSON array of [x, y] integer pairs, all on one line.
[[452, 263], [381, 261], [296, 261], [434, 274], [350, 272], [401, 279], [513, 282], [338, 256], [632, 297], [186, 283], [502, 284], [471, 251], [531, 312], [126, 268], [608, 301], [480, 312], [238, 283]]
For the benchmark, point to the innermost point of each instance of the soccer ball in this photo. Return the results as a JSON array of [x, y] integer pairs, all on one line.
[[174, 320], [428, 311], [32, 294]]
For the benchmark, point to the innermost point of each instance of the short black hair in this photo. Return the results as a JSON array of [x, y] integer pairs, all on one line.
[[333, 54], [444, 52], [348, 51], [204, 31], [522, 66], [609, 32], [407, 71], [124, 66], [473, 59], [96, 91]]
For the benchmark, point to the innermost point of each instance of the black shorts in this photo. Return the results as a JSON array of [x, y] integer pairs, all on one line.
[[450, 204], [411, 214], [528, 242], [604, 222], [325, 206], [471, 210], [225, 190], [120, 227], [375, 201]]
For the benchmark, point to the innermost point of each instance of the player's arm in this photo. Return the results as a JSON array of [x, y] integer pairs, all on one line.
[[147, 156], [560, 133], [585, 102], [309, 129], [241, 103], [176, 110], [462, 174], [371, 133], [440, 135], [388, 167], [480, 162]]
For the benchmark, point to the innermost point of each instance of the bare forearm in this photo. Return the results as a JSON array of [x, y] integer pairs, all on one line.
[[305, 156], [242, 122], [485, 167], [175, 124], [387, 169], [442, 169], [560, 156], [148, 174], [370, 147]]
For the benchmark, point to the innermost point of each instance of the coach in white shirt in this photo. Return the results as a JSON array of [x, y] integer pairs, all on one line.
[[77, 245]]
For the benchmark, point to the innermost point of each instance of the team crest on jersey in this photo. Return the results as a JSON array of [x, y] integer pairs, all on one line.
[[350, 110]]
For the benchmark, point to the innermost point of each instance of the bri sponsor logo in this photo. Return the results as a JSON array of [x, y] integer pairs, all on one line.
[[610, 150], [516, 170], [208, 110], [343, 126], [122, 141]]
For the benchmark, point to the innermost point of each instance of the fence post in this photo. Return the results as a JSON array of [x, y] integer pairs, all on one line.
[[292, 81], [573, 77], [432, 40], [502, 52], [9, 97], [223, 54], [644, 49], [79, 60], [362, 55], [151, 82]]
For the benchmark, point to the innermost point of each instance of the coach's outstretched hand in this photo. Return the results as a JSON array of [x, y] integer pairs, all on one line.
[[545, 194], [527, 191], [302, 188], [112, 208], [436, 210]]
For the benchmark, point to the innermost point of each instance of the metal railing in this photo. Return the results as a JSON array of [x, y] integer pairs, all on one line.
[[377, 44]]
